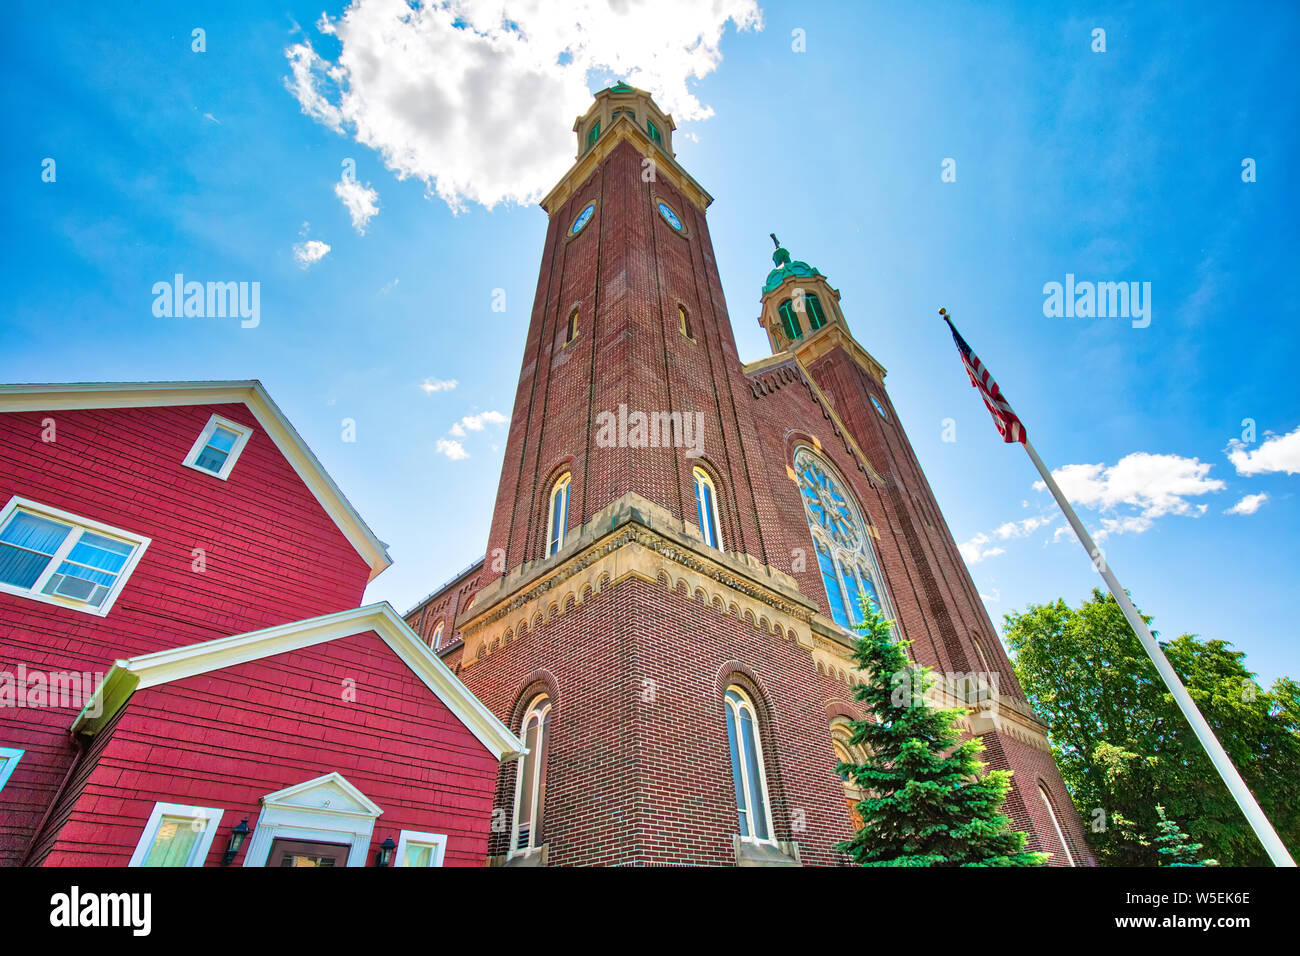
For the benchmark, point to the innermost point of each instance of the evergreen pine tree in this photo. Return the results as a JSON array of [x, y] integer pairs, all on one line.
[[1175, 847], [929, 800]]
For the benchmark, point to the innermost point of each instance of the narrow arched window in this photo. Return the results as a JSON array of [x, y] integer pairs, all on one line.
[[790, 321], [530, 784], [812, 307], [844, 554], [571, 330], [436, 641], [683, 321], [706, 507], [753, 814], [1056, 824], [593, 134], [844, 749], [557, 518]]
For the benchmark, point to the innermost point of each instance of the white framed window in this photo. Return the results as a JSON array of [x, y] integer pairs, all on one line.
[[9, 758], [420, 849], [177, 835], [1056, 824], [218, 447], [436, 641], [56, 557], [557, 515], [530, 781], [706, 507], [753, 812]]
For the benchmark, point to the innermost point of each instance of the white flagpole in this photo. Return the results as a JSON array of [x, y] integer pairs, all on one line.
[[1277, 852]]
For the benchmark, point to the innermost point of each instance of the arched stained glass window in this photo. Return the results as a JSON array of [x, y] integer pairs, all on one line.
[[436, 641], [753, 813], [844, 555]]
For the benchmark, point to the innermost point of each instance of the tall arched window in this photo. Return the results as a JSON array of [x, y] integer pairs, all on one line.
[[753, 812], [706, 507], [844, 554], [789, 321], [571, 330], [436, 641], [845, 750], [812, 307], [557, 517], [683, 321], [1060, 836], [530, 783]]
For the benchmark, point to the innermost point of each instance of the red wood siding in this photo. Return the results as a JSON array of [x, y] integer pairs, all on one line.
[[272, 554], [227, 738]]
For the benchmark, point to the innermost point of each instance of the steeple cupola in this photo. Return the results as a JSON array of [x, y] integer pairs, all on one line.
[[797, 301]]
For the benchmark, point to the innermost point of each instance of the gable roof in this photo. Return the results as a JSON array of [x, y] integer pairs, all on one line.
[[344, 797], [20, 398], [177, 663]]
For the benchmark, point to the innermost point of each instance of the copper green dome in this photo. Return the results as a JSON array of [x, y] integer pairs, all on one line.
[[785, 268]]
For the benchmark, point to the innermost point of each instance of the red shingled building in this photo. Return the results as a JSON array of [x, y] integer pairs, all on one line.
[[182, 659]]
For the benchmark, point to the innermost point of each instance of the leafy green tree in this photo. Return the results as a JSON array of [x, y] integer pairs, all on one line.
[[1123, 746], [1175, 846], [929, 801]]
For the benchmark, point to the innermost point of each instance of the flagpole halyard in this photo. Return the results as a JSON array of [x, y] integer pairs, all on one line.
[[1012, 430]]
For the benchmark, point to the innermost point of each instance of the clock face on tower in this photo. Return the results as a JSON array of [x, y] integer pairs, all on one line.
[[670, 217], [584, 217]]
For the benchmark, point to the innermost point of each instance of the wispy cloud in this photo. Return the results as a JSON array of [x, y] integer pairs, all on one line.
[[452, 449], [1248, 505], [976, 549], [510, 82], [1277, 453], [431, 385], [476, 423], [1149, 485], [361, 202], [310, 252]]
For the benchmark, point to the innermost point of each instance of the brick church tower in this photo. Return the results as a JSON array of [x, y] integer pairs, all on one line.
[[663, 612]]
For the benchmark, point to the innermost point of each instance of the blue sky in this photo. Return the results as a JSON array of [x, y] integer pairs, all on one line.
[[1123, 165]]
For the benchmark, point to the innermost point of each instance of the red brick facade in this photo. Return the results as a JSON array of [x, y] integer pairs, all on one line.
[[636, 628]]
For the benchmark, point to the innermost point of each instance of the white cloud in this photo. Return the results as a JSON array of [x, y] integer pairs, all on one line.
[[457, 430], [1248, 505], [1153, 485], [1278, 453], [476, 98], [974, 550], [452, 449], [310, 252], [361, 202], [476, 423], [431, 385]]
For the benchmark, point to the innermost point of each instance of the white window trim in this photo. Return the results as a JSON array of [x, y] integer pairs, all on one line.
[[762, 767], [541, 706], [701, 476], [554, 545], [283, 820], [1051, 812], [199, 851], [242, 434], [436, 840], [79, 524], [11, 756]]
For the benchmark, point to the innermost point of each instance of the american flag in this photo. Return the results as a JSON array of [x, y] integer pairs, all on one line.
[[1009, 426]]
